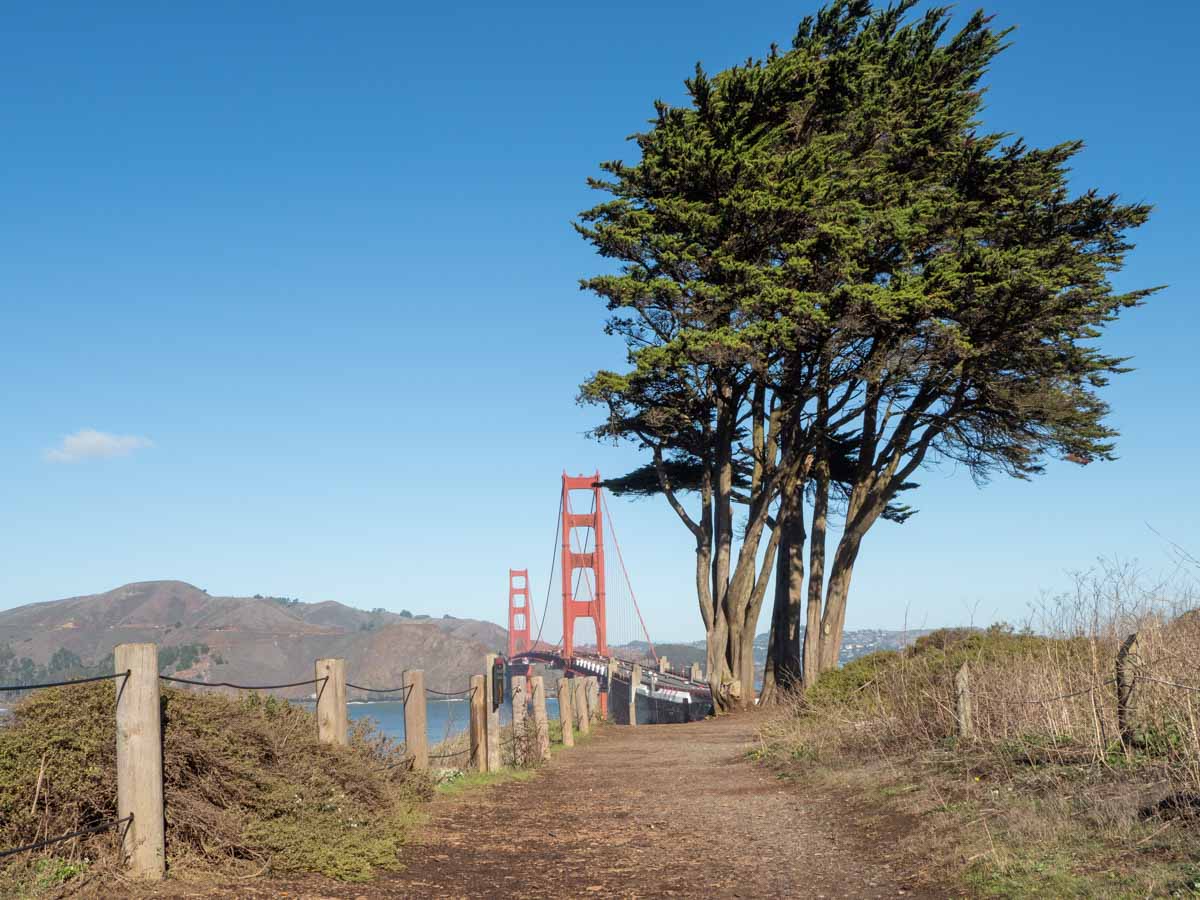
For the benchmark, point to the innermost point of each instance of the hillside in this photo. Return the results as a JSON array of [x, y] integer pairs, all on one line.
[[243, 639]]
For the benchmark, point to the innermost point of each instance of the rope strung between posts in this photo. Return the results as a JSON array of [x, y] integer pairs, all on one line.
[[370, 690], [448, 755], [83, 832], [246, 687], [1174, 684], [1067, 696], [447, 693], [50, 684]]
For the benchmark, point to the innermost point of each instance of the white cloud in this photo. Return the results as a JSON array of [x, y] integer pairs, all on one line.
[[91, 444]]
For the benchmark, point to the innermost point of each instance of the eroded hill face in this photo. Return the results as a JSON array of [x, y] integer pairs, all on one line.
[[251, 639]]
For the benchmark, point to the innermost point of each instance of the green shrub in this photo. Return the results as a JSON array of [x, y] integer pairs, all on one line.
[[247, 786], [845, 685]]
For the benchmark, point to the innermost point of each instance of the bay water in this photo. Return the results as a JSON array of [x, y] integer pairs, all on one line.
[[444, 718]]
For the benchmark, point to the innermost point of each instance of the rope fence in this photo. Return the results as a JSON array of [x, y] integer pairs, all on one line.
[[83, 832], [140, 807], [1174, 684], [406, 689], [245, 687], [14, 688], [1130, 672], [450, 755], [1079, 693], [448, 693]]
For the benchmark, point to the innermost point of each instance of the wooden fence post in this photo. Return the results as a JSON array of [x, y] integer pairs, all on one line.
[[1125, 681], [416, 736], [580, 701], [493, 716], [139, 760], [478, 723], [962, 703], [331, 702], [696, 673], [611, 679], [634, 681], [540, 721], [520, 740], [564, 712], [593, 695]]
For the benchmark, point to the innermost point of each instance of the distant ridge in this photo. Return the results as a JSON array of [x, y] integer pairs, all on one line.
[[249, 639]]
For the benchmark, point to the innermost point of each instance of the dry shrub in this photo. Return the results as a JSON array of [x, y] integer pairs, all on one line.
[[1044, 698], [451, 756], [1045, 798], [519, 747], [518, 750], [248, 788]]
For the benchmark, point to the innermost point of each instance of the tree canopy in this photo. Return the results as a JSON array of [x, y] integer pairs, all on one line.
[[828, 275]]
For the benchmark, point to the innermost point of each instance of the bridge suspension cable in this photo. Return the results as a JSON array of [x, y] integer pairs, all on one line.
[[550, 571], [625, 572]]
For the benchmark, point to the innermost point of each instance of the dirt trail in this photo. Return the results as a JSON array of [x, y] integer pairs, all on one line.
[[643, 812]]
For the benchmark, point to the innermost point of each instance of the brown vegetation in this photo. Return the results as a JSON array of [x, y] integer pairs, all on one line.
[[248, 790], [1047, 795]]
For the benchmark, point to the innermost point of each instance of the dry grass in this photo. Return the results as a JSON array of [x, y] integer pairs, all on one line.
[[1044, 798], [248, 789]]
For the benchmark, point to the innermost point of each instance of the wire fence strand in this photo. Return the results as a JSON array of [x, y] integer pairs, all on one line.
[[50, 684], [83, 832]]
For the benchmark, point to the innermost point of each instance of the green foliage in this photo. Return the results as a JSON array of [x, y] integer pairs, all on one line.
[[282, 601], [845, 685], [1035, 748], [946, 650], [378, 617], [823, 258], [245, 780], [63, 666], [839, 201], [44, 876], [180, 656]]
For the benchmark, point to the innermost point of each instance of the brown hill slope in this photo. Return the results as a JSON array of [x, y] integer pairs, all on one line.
[[251, 640]]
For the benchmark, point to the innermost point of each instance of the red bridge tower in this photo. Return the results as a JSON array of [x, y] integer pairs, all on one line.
[[594, 561], [519, 619]]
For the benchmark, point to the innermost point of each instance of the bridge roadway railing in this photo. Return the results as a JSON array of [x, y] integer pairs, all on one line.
[[660, 695]]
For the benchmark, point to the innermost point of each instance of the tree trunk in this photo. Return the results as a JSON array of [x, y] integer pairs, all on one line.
[[784, 650], [753, 610], [833, 621], [816, 577], [717, 653]]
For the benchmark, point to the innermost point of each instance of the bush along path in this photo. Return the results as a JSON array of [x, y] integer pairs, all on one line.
[[248, 788], [663, 811]]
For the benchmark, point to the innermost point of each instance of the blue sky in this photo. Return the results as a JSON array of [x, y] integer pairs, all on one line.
[[321, 266]]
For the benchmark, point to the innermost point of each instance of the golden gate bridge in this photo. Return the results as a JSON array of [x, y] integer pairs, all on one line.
[[599, 624]]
